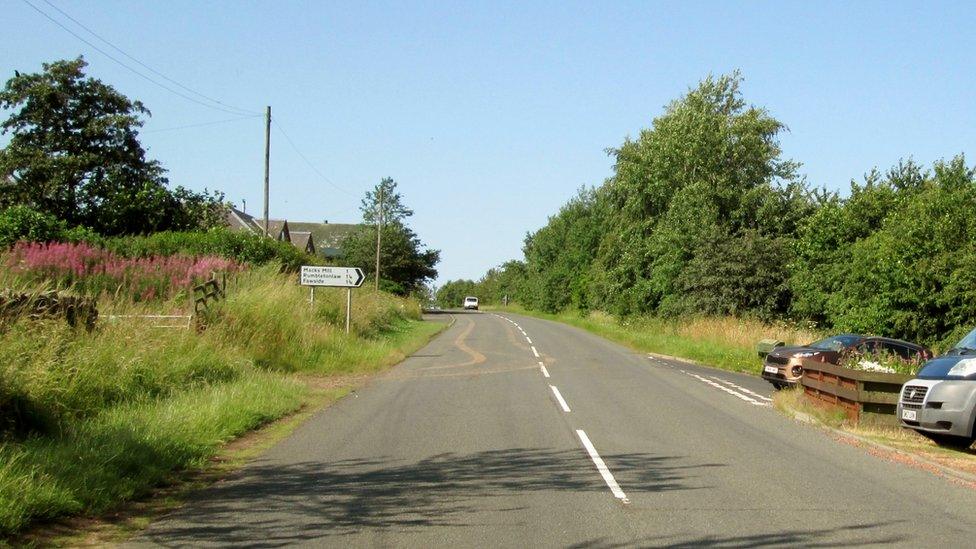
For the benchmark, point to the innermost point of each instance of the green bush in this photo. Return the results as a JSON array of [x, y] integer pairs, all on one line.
[[239, 246], [22, 223]]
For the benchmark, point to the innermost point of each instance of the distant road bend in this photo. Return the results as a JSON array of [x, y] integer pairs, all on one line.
[[507, 431]]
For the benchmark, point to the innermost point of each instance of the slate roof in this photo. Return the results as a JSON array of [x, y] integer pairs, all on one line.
[[303, 241], [324, 238], [327, 236]]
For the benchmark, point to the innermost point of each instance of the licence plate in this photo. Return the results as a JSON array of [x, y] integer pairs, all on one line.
[[771, 369], [910, 415]]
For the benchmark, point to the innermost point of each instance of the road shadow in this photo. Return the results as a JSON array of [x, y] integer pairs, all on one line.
[[851, 535], [271, 505]]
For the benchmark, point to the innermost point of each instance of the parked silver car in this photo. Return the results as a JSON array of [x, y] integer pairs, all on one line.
[[940, 403]]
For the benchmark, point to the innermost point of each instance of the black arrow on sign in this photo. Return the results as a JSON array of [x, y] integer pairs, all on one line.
[[360, 277]]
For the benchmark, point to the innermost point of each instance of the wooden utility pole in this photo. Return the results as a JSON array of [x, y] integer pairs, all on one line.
[[267, 166], [379, 230]]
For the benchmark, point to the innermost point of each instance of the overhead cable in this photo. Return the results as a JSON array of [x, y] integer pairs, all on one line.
[[309, 163], [220, 106], [212, 123]]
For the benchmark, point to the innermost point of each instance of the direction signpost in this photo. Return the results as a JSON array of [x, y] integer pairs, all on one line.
[[333, 277]]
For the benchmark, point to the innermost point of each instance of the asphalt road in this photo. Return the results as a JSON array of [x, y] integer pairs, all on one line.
[[468, 443]]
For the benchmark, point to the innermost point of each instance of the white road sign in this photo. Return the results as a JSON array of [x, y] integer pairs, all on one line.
[[338, 277]]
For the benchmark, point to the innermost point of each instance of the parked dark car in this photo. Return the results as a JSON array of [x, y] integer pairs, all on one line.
[[940, 403], [782, 366]]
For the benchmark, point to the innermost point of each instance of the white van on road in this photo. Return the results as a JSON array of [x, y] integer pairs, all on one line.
[[471, 303]]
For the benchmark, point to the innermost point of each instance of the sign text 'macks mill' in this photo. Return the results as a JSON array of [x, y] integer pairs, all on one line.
[[336, 277]]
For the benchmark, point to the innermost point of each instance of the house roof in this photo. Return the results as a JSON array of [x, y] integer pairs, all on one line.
[[239, 220], [326, 236], [275, 226], [302, 240]]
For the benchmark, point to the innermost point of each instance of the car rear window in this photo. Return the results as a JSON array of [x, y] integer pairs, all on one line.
[[836, 343]]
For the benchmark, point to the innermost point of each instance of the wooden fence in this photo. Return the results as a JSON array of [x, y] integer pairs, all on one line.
[[863, 396], [209, 292]]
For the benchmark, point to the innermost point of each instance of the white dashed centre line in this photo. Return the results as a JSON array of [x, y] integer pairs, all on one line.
[[741, 389], [529, 340], [602, 467], [559, 398], [543, 368], [750, 400], [536, 353]]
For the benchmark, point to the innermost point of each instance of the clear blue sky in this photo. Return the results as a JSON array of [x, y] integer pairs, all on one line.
[[490, 115]]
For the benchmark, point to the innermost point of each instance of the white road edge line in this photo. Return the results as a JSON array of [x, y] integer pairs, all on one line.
[[536, 353], [602, 467], [559, 397], [543, 368], [750, 400], [743, 389]]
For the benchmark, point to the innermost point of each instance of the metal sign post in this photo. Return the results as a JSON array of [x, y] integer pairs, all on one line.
[[348, 307], [333, 277]]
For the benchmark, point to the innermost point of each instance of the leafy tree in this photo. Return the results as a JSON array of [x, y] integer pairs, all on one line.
[[559, 255], [393, 208], [824, 244], [709, 166], [453, 292], [913, 276], [506, 280], [405, 263], [737, 275], [74, 153]]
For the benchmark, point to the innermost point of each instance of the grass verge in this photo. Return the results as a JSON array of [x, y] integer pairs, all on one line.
[[725, 342], [89, 421], [316, 390], [890, 442]]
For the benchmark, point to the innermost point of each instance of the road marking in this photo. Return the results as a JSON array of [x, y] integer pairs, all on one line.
[[750, 400], [536, 353], [559, 397], [743, 389], [602, 467], [659, 361], [529, 340], [543, 368]]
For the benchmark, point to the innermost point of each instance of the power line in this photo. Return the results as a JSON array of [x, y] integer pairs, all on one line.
[[148, 78], [215, 122], [147, 67], [140, 63], [309, 163]]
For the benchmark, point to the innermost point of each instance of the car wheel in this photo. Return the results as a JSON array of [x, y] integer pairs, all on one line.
[[949, 441]]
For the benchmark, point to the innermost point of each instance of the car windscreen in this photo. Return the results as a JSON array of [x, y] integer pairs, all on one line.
[[836, 343], [968, 342]]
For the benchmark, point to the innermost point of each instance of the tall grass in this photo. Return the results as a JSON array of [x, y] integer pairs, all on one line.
[[725, 342], [275, 322]]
